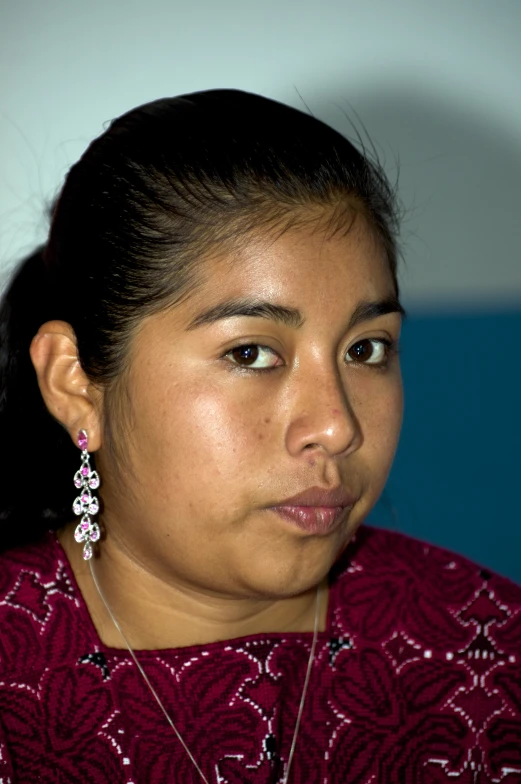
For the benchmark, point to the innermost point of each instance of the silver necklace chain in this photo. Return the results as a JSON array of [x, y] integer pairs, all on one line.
[[165, 712]]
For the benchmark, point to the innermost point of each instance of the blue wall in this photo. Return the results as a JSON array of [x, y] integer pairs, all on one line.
[[456, 480]]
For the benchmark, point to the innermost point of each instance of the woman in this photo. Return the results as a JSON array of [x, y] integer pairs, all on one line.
[[215, 320]]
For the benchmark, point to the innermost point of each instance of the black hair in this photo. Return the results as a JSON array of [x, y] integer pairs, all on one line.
[[164, 185]]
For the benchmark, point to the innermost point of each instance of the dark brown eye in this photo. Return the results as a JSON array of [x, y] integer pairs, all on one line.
[[254, 356], [362, 351], [245, 355], [370, 352]]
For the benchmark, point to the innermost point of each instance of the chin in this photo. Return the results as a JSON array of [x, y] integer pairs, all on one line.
[[277, 575]]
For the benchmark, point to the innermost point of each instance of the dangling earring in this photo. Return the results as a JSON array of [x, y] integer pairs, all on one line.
[[86, 504]]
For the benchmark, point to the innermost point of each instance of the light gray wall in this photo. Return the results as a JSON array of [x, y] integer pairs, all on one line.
[[436, 83]]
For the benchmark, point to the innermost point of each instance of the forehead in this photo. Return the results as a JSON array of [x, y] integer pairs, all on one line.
[[298, 268]]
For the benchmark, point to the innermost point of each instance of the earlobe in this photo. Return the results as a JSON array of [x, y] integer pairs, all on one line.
[[68, 394]]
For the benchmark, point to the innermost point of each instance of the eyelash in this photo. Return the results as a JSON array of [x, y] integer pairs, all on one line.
[[391, 347]]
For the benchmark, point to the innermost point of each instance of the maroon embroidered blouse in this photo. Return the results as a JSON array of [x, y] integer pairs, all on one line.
[[417, 679]]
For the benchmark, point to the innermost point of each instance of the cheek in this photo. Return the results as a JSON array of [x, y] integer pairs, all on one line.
[[198, 435], [379, 408]]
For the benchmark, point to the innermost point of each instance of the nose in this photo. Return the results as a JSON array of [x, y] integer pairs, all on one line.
[[322, 416]]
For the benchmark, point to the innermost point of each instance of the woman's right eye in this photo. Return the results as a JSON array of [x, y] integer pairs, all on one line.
[[253, 356]]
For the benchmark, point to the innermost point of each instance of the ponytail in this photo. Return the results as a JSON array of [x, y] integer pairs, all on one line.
[[37, 454]]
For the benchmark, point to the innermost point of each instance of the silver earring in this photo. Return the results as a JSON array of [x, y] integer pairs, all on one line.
[[86, 504]]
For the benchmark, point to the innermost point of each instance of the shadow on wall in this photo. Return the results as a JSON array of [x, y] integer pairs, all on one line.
[[457, 476], [460, 184]]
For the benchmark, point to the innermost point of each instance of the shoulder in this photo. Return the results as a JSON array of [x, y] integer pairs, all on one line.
[[29, 575], [425, 651], [385, 556], [39, 605], [388, 581]]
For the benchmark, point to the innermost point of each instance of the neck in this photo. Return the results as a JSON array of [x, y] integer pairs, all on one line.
[[157, 613]]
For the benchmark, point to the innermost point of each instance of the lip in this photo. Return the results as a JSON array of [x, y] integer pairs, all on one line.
[[316, 511], [316, 496]]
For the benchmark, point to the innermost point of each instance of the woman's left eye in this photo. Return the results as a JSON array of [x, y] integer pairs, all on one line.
[[370, 351], [253, 356]]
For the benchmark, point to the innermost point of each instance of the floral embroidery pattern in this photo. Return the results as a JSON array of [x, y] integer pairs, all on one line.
[[417, 680]]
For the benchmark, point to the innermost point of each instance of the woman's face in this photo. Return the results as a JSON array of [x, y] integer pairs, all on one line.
[[279, 375]]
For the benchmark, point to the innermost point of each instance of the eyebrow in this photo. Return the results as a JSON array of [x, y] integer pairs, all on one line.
[[252, 308], [367, 311], [288, 316]]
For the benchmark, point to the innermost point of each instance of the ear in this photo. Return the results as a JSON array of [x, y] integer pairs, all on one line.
[[68, 394]]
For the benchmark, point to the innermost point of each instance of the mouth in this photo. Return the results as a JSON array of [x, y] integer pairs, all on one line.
[[318, 520], [316, 510]]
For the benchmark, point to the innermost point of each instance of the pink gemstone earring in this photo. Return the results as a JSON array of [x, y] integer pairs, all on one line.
[[86, 504]]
